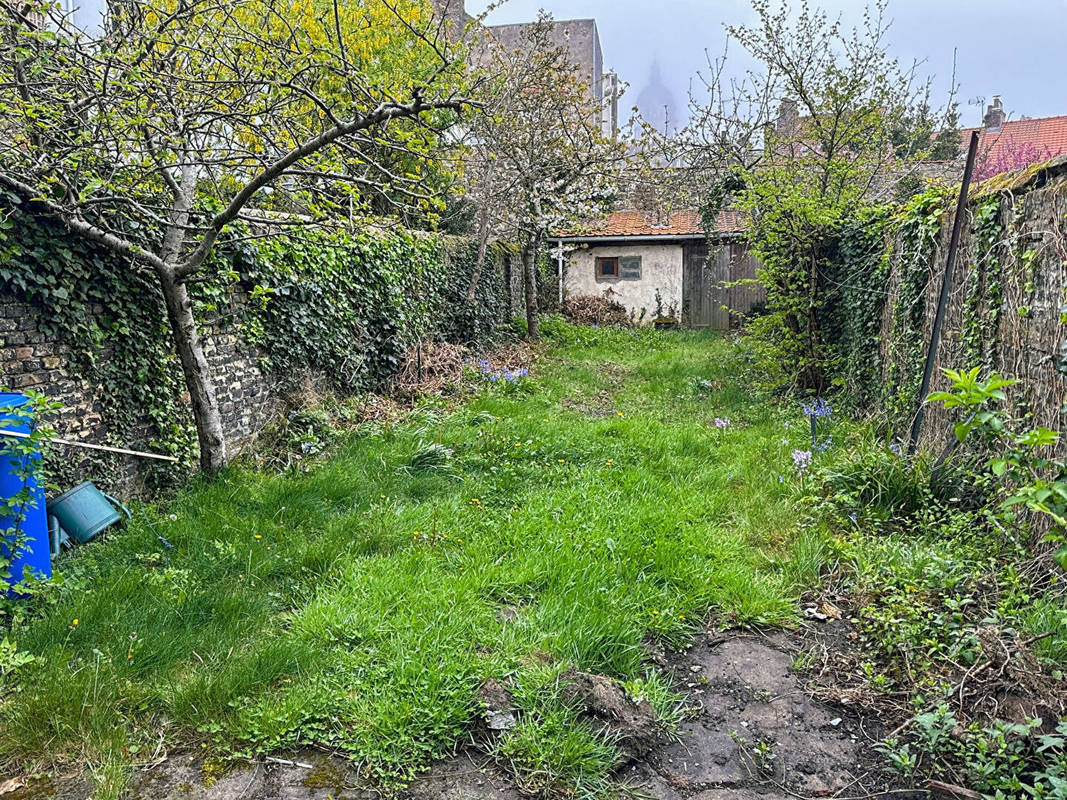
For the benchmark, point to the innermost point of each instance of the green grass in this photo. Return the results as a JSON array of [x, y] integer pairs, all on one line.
[[359, 605]]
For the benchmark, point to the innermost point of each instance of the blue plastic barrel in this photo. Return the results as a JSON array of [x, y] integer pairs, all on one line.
[[31, 533]]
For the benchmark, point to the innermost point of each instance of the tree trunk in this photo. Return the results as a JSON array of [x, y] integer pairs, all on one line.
[[529, 271], [197, 374]]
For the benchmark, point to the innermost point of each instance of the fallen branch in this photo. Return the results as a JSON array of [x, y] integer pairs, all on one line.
[[950, 790]]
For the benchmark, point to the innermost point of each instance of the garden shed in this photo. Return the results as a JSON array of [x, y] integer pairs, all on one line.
[[667, 268]]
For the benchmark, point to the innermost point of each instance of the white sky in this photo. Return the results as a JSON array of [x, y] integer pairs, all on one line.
[[1014, 48]]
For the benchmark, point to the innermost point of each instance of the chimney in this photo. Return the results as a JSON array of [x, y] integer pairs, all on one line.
[[787, 117], [994, 117]]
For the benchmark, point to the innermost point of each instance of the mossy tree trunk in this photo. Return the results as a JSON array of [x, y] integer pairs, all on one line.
[[530, 251]]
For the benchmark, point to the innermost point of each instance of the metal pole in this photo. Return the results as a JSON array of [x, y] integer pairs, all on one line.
[[85, 445], [559, 270], [946, 287]]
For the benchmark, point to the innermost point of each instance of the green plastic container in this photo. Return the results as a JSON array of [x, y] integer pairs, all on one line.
[[85, 511]]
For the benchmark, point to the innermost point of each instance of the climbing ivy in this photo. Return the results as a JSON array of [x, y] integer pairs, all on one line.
[[344, 304], [982, 287], [110, 314], [349, 305], [855, 285], [918, 225]]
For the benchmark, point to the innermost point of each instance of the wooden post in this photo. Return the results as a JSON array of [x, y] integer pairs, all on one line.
[[946, 287]]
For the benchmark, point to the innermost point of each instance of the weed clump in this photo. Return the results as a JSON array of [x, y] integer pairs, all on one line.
[[958, 604]]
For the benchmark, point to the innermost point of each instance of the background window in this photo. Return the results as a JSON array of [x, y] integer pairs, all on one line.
[[607, 267], [630, 268]]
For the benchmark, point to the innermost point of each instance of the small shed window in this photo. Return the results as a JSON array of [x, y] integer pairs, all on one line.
[[607, 267], [630, 268]]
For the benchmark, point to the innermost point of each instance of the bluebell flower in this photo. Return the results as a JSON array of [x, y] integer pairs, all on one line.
[[820, 408]]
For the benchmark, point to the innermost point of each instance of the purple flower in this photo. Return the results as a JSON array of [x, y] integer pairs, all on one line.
[[483, 365], [722, 423], [802, 460], [894, 449], [820, 408]]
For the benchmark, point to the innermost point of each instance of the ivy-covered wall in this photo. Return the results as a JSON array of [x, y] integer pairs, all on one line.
[[1006, 309], [89, 329]]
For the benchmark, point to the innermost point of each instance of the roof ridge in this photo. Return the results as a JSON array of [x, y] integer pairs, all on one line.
[[1014, 122]]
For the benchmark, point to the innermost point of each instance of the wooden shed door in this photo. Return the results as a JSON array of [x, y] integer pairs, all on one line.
[[703, 296]]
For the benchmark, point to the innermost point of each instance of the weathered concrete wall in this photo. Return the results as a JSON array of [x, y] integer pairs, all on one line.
[[661, 270]]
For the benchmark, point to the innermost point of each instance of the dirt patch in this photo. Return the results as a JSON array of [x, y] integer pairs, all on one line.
[[598, 406], [756, 726], [601, 404], [607, 708], [753, 732]]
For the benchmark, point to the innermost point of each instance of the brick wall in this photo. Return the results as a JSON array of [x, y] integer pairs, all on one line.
[[249, 398], [31, 360]]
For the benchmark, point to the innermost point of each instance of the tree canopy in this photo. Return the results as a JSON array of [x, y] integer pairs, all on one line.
[[176, 119]]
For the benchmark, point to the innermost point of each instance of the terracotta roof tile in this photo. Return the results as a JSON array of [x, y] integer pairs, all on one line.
[[623, 224], [1047, 135]]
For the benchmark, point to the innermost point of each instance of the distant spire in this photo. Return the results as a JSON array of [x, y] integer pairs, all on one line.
[[656, 102]]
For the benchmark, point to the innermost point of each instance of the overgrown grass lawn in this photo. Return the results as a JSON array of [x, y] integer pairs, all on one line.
[[361, 604]]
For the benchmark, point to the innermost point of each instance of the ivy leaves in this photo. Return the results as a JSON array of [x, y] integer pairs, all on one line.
[[348, 306]]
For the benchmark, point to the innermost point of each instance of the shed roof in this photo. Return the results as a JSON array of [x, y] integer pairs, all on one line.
[[639, 225]]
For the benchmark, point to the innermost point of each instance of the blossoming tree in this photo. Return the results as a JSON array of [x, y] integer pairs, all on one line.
[[539, 161], [175, 120]]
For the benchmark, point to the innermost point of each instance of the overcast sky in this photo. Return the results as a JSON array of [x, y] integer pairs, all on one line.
[[1014, 48]]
